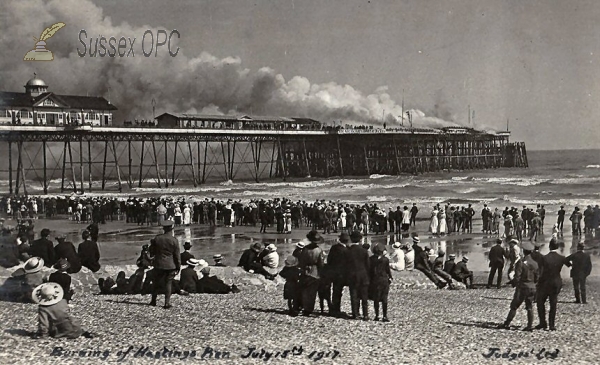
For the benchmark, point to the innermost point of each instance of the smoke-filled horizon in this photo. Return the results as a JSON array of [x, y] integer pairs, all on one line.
[[192, 83]]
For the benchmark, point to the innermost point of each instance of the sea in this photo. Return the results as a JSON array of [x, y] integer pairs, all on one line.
[[553, 178]]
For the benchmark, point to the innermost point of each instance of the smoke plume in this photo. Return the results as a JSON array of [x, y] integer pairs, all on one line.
[[186, 83]]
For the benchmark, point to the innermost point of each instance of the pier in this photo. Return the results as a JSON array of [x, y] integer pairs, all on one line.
[[85, 158]]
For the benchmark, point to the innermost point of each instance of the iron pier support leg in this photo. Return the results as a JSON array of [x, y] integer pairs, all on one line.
[[90, 164], [340, 156], [10, 180], [156, 163], [45, 168], [204, 165], [166, 164], [174, 164], [306, 157], [114, 149], [192, 164], [129, 179], [232, 160], [62, 180], [224, 161], [81, 162], [141, 165], [72, 168], [104, 165]]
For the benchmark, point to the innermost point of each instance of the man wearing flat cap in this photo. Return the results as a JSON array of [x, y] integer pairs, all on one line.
[[580, 270], [526, 277], [165, 249], [337, 263]]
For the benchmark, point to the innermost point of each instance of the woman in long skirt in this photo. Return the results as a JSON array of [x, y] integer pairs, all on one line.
[[187, 215], [442, 221], [433, 225]]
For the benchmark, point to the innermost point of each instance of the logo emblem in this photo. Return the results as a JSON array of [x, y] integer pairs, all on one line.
[[40, 53]]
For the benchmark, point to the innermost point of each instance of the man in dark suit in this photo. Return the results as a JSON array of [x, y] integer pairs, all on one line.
[[462, 273], [186, 255], [358, 276], [580, 270], [165, 249], [311, 263], [88, 253], [336, 267], [549, 286], [66, 250], [423, 264], [496, 264], [43, 248]]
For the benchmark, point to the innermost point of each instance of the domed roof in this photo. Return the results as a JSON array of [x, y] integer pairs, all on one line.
[[36, 82]]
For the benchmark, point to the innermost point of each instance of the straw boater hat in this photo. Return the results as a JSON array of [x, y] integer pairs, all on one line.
[[452, 256], [465, 259], [47, 294], [271, 247], [34, 264], [218, 257], [193, 262], [397, 245], [416, 239], [301, 244], [202, 264], [62, 265]]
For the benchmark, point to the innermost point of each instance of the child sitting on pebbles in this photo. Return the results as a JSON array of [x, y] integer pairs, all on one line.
[[53, 314]]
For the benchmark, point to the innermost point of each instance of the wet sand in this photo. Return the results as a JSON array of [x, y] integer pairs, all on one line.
[[120, 242]]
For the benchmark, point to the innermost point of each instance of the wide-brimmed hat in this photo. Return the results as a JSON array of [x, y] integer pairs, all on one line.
[[397, 245], [291, 261], [526, 245], [257, 246], [34, 264], [62, 264], [202, 264], [47, 294], [314, 236], [168, 223], [271, 247], [514, 241], [301, 244], [218, 257], [344, 237]]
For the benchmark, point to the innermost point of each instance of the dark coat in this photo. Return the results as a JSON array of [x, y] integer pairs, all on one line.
[[165, 249], [553, 263], [43, 248], [422, 260], [185, 256], [311, 261], [337, 262], [581, 264], [497, 256], [248, 258], [89, 254], [212, 285], [379, 278], [358, 265], [291, 274], [66, 250], [62, 279], [189, 280], [449, 266]]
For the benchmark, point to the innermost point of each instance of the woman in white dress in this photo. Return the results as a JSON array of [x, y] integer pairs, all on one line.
[[177, 215], [442, 222], [187, 215], [433, 225], [343, 219]]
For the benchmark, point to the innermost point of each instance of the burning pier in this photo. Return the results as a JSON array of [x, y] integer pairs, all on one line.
[[87, 158]]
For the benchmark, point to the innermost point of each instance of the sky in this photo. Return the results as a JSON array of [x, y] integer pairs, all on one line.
[[532, 63]]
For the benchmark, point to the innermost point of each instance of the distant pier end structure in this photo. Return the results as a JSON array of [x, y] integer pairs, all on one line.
[[58, 143]]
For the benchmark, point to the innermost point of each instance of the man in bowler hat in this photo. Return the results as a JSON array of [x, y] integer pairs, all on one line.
[[337, 264], [165, 249], [358, 276], [549, 286]]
